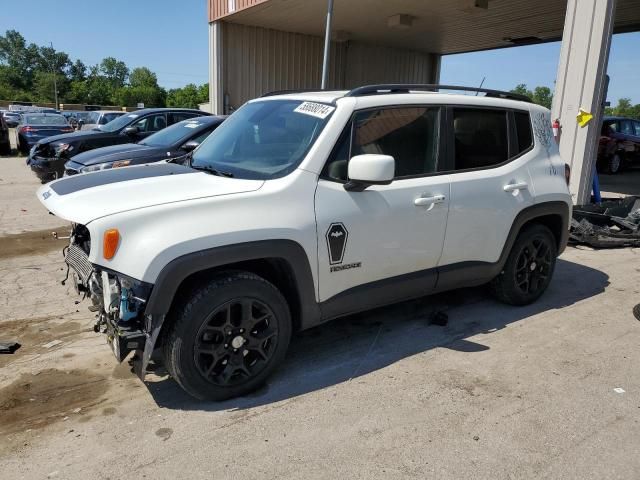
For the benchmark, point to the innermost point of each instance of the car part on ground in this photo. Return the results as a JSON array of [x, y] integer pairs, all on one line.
[[9, 347], [309, 206], [614, 223]]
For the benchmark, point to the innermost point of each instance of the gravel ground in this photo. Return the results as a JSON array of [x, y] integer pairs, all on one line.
[[500, 392]]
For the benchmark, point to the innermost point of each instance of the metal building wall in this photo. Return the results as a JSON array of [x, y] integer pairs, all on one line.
[[256, 60]]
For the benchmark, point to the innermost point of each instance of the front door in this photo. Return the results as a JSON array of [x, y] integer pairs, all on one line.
[[377, 240]]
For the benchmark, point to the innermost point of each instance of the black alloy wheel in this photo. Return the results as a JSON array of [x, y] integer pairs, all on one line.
[[227, 335], [533, 266], [236, 341]]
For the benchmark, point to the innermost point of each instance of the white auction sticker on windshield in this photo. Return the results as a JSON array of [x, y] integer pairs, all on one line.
[[315, 109]]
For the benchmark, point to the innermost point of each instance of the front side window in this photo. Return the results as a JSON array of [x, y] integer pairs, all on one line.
[[481, 138], [151, 123], [408, 134], [263, 139]]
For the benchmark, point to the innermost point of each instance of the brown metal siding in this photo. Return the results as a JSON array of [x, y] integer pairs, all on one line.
[[220, 8], [258, 60]]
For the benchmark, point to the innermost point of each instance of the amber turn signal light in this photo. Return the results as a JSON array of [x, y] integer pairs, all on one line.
[[110, 243]]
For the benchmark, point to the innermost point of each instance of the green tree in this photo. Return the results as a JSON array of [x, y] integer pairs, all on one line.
[[143, 77], [189, 96], [115, 71], [540, 95]]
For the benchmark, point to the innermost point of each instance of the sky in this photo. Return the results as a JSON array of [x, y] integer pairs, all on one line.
[[171, 38]]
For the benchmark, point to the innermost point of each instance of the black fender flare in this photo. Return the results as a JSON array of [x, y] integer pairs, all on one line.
[[178, 270], [175, 272]]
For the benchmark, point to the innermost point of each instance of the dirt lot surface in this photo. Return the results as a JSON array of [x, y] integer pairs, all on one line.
[[501, 392]]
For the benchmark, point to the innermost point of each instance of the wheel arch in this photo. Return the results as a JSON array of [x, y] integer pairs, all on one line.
[[281, 262]]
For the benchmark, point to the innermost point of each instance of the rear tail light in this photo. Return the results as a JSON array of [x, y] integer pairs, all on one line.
[[567, 173], [67, 130], [27, 129]]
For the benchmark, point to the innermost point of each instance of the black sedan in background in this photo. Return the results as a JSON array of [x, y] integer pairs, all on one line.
[[172, 142], [34, 127], [48, 157]]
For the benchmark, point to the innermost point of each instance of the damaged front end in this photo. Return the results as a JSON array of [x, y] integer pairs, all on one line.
[[118, 300]]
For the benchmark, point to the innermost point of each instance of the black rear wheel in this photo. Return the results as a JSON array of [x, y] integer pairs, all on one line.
[[229, 337], [529, 267]]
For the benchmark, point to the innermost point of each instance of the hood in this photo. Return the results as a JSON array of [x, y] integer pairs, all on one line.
[[114, 153], [87, 197], [72, 137]]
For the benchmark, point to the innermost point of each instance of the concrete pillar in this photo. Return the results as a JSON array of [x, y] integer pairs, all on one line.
[[216, 84], [580, 83]]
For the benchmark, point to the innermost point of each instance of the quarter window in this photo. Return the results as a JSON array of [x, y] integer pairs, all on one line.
[[481, 138], [410, 135], [523, 130]]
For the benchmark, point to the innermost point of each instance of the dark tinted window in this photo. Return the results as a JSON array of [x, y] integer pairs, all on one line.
[[151, 123], [636, 127], [179, 116], [409, 135], [480, 138], [523, 130], [627, 127]]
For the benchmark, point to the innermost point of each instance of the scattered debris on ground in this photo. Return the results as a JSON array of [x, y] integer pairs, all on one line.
[[439, 318], [8, 347], [614, 223]]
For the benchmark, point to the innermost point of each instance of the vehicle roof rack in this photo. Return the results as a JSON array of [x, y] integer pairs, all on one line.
[[298, 90], [406, 88]]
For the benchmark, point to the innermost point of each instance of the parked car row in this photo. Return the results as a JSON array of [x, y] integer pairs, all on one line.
[[53, 156]]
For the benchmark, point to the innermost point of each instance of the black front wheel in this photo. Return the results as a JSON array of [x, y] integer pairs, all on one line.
[[529, 267], [228, 337]]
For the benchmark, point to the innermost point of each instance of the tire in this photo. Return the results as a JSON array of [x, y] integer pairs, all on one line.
[[614, 163], [207, 361], [529, 267], [5, 149]]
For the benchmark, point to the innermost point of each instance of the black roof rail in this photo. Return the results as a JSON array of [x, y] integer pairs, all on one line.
[[429, 87], [298, 90]]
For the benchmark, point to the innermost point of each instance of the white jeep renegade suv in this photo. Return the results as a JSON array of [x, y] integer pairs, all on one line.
[[304, 207]]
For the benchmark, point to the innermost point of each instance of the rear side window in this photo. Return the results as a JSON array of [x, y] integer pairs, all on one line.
[[176, 117], [627, 127], [523, 131], [409, 134], [481, 138]]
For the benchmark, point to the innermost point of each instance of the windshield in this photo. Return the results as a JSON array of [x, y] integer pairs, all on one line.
[[45, 120], [173, 134], [264, 139], [118, 123]]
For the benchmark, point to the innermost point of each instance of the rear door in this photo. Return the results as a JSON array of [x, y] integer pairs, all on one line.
[[490, 182]]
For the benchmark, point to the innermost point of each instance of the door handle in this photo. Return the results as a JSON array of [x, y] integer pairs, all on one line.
[[512, 187], [423, 201]]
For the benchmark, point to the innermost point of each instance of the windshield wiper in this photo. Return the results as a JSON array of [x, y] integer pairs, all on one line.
[[213, 171]]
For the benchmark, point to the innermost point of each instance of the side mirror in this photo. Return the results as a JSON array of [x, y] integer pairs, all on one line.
[[130, 131], [370, 169], [190, 145]]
